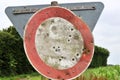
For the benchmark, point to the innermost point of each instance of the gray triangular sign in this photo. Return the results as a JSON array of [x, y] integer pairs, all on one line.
[[88, 11]]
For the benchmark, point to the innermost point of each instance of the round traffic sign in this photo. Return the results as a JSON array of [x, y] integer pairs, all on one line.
[[58, 44]]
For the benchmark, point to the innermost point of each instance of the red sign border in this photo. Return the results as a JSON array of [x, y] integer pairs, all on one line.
[[31, 52]]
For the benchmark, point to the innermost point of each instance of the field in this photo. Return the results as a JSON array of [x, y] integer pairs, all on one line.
[[101, 73]]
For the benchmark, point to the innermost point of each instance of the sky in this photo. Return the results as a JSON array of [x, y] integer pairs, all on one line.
[[106, 32]]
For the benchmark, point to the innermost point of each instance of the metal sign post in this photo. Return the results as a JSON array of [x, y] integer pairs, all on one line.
[[57, 39]]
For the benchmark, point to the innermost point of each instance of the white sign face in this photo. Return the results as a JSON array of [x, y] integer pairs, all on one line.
[[58, 43]]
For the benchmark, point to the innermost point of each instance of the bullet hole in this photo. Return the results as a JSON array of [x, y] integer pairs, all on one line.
[[53, 47], [56, 50], [77, 54], [70, 35], [73, 59], [68, 40], [60, 59], [84, 49], [72, 29]]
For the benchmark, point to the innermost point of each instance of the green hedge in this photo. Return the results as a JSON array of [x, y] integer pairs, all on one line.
[[13, 60], [100, 57]]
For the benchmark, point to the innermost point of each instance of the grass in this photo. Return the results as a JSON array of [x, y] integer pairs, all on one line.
[[101, 73]]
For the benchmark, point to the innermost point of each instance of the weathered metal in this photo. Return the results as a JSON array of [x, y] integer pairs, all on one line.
[[57, 43]]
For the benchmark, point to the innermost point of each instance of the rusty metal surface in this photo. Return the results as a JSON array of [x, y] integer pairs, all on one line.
[[88, 11], [59, 46]]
